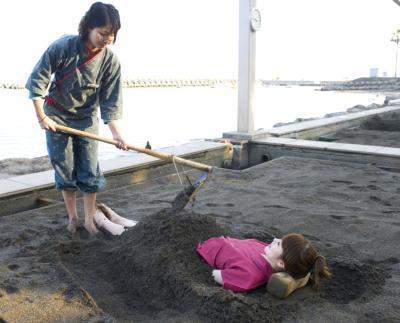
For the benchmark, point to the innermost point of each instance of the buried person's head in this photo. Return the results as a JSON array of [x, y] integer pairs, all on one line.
[[300, 257]]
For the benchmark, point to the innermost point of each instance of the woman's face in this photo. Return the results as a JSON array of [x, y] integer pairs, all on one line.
[[100, 37]]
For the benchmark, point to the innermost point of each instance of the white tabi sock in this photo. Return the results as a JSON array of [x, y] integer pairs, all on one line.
[[114, 217], [102, 221]]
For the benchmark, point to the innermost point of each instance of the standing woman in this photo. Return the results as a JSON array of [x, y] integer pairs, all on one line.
[[87, 75]]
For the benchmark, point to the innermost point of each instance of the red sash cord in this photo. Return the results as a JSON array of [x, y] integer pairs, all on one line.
[[55, 84]]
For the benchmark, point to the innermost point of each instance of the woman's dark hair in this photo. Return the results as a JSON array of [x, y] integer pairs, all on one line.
[[100, 15], [300, 258]]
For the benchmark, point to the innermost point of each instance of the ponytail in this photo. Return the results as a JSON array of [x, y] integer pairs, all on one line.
[[300, 258], [319, 270]]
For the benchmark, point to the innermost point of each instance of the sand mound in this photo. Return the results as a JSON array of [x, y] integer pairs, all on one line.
[[156, 270], [157, 264], [158, 258]]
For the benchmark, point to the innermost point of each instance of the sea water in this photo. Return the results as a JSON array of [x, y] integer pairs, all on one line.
[[172, 116]]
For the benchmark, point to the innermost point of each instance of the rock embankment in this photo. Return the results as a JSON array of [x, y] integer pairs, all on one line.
[[356, 108], [382, 84]]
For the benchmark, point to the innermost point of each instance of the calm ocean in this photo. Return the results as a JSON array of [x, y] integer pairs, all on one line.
[[172, 116]]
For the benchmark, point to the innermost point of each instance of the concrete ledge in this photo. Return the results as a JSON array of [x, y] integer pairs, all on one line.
[[8, 185], [308, 129], [26, 184], [244, 136], [270, 148], [314, 128], [329, 146]]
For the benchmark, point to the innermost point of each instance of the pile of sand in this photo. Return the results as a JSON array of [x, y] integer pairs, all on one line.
[[155, 265]]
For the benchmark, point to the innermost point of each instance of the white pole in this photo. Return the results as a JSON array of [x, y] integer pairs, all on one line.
[[397, 51], [246, 75]]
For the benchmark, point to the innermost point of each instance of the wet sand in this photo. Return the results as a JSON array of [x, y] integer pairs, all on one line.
[[152, 273]]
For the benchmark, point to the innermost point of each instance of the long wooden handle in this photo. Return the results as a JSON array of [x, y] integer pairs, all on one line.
[[157, 154]]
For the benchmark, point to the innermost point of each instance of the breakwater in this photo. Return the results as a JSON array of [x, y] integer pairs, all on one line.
[[384, 84], [140, 83]]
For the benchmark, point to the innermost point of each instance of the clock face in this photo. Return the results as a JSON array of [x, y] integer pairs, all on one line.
[[255, 19]]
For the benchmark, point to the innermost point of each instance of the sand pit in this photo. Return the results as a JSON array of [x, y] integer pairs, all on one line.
[[376, 131], [152, 273]]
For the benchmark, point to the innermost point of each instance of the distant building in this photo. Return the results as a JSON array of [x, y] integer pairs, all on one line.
[[384, 74], [373, 72]]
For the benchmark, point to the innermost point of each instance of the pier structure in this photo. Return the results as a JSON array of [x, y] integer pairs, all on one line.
[[178, 82]]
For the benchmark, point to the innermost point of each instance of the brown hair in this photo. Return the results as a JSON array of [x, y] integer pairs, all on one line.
[[100, 15], [300, 258]]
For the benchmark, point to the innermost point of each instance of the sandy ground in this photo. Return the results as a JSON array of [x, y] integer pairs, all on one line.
[[376, 131], [152, 273]]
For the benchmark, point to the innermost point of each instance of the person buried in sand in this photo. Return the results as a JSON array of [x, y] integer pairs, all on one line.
[[245, 264], [87, 75]]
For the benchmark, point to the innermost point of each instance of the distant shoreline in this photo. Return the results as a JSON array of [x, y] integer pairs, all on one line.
[[389, 85], [369, 84], [140, 83]]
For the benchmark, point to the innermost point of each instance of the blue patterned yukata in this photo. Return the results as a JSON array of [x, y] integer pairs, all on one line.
[[80, 85]]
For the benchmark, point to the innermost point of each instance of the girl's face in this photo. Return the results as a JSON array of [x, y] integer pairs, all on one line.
[[274, 249], [100, 37], [273, 254]]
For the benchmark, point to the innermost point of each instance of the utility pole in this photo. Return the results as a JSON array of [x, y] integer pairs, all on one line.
[[249, 23], [396, 39]]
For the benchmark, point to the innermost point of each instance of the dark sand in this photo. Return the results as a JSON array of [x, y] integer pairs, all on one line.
[[377, 131], [152, 273]]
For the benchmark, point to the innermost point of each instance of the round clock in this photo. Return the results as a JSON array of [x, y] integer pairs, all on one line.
[[255, 19]]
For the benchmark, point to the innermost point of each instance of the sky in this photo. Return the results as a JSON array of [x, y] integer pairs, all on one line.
[[309, 39]]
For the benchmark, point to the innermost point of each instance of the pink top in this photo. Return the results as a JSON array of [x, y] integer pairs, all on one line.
[[240, 261]]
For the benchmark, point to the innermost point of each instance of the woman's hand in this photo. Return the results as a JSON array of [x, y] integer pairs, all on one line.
[[117, 136], [46, 123], [121, 142]]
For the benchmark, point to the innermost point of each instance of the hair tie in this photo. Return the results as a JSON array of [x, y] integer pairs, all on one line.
[[312, 271]]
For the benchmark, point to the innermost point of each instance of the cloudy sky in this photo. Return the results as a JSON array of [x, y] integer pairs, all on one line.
[[309, 39]]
